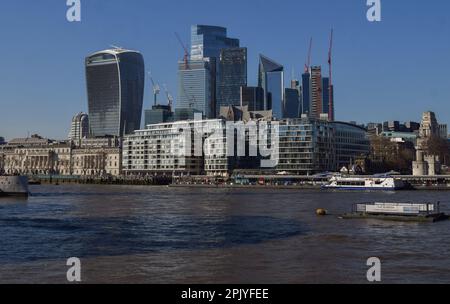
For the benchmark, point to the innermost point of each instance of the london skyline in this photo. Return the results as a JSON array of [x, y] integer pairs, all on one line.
[[380, 69]]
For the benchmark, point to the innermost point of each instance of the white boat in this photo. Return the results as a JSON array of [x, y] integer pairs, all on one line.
[[372, 183], [14, 186]]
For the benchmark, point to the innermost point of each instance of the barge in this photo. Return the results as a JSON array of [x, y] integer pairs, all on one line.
[[411, 212]]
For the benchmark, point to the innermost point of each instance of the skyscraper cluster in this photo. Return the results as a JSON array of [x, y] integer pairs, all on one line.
[[212, 75], [215, 76], [316, 94]]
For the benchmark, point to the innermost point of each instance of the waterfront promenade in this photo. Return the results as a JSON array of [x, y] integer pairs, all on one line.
[[441, 182]]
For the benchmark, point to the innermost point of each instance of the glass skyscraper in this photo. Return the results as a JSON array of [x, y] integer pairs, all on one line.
[[306, 93], [214, 75], [232, 75], [253, 98], [291, 104], [208, 41], [115, 89], [271, 79], [194, 86]]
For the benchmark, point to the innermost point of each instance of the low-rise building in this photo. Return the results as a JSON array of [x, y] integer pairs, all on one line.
[[351, 142], [306, 146], [302, 146], [34, 156], [162, 149], [96, 161]]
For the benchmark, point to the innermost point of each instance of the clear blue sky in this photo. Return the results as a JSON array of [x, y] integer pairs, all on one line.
[[395, 69]]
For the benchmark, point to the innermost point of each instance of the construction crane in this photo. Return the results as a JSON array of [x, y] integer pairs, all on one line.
[[308, 59], [186, 52], [156, 89], [330, 86], [169, 97]]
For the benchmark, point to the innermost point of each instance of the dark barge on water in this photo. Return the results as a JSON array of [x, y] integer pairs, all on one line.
[[409, 212]]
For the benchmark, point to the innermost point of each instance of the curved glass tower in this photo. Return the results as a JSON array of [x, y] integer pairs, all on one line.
[[115, 87], [271, 79]]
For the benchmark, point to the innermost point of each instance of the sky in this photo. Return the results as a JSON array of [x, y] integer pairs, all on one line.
[[389, 70]]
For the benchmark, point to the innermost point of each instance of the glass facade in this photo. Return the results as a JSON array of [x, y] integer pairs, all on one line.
[[227, 71], [306, 147], [158, 114], [253, 97], [115, 88], [271, 79], [232, 75], [325, 95], [194, 87], [292, 107], [208, 41], [310, 146], [351, 142], [306, 93]]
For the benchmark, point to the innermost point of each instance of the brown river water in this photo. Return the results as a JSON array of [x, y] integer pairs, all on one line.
[[134, 234]]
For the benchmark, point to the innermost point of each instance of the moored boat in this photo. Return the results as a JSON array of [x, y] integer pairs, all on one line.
[[371, 183], [14, 186], [417, 212]]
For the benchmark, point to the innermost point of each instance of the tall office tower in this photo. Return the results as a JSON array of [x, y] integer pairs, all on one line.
[[80, 127], [253, 97], [194, 87], [271, 79], [316, 91], [306, 93], [292, 108], [115, 87], [232, 75], [208, 41], [328, 98]]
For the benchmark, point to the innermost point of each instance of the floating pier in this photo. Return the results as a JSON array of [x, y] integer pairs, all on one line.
[[405, 212]]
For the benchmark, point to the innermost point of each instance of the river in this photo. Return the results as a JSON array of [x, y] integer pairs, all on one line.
[[141, 234]]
